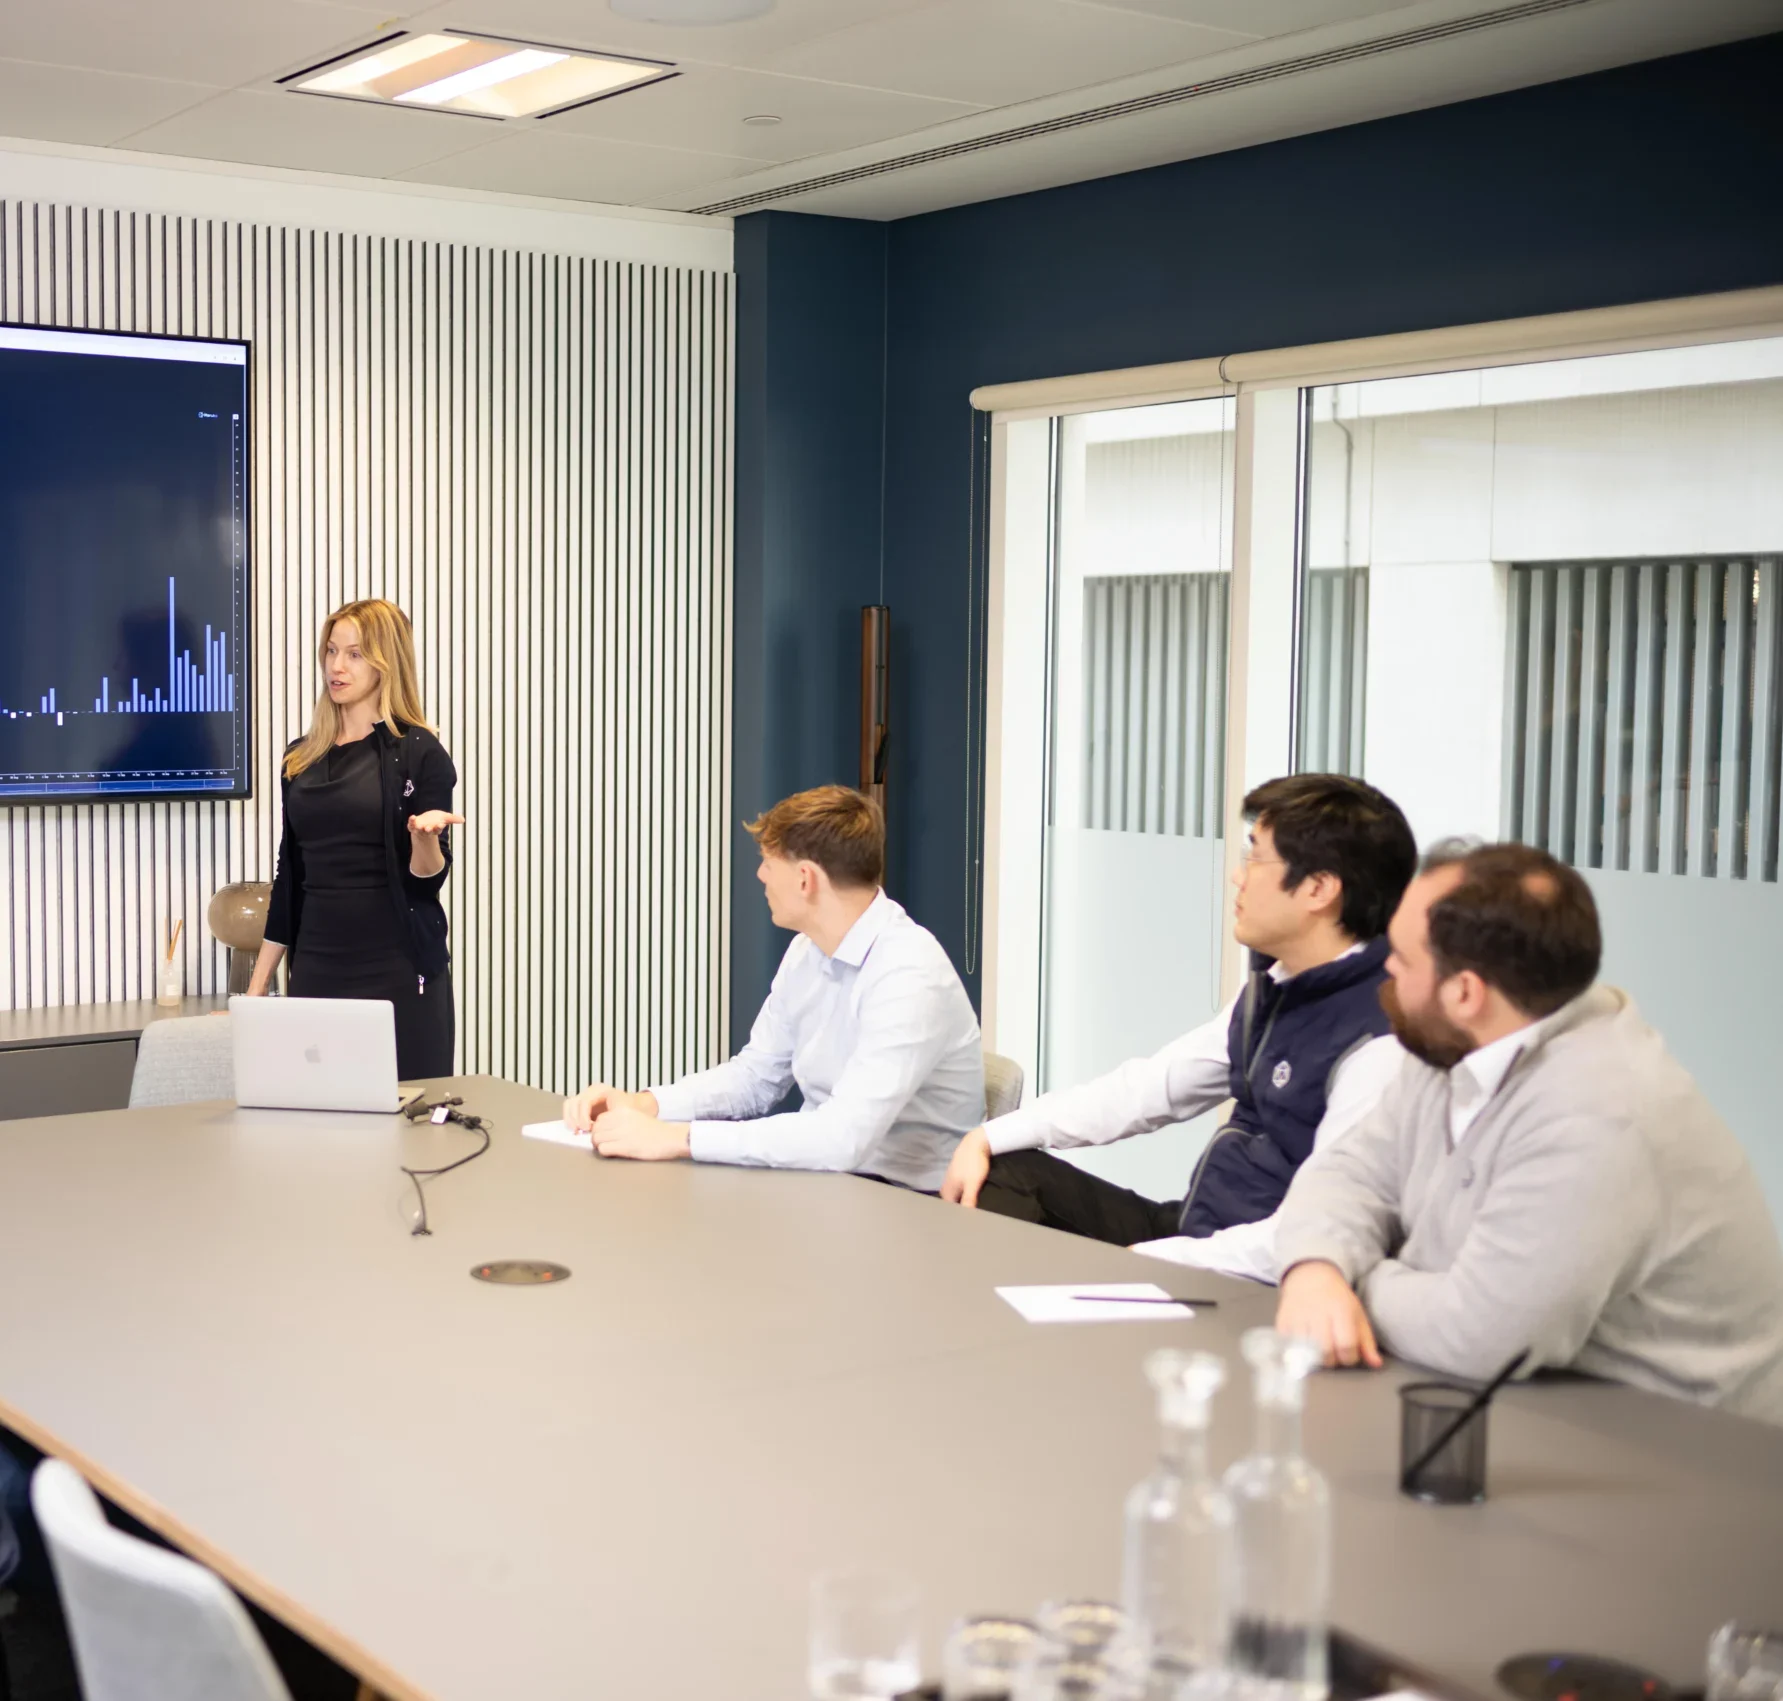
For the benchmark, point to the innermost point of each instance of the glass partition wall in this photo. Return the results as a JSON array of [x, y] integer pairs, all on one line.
[[1539, 599], [1117, 616], [1545, 602]]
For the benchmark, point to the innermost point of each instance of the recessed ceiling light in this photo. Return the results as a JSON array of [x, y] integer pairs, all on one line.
[[463, 73], [691, 11], [761, 120]]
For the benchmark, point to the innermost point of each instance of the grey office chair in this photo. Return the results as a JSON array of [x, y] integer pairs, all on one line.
[[184, 1060], [146, 1624], [1003, 1080]]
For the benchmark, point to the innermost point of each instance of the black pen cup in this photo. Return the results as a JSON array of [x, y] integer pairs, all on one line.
[[1455, 1474]]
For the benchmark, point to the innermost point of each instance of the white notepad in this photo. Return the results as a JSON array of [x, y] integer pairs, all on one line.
[[1069, 1304], [559, 1134]]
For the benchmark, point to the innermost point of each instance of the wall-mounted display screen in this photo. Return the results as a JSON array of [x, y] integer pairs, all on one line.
[[123, 566]]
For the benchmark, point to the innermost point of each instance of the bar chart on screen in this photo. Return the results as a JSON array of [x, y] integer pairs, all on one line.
[[191, 688], [124, 569]]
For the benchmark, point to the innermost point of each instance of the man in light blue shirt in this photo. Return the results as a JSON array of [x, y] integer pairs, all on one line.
[[866, 1016]]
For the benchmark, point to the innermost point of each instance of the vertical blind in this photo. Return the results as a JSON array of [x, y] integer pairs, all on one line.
[[1154, 670], [1334, 670], [531, 453], [1644, 714], [1154, 728]]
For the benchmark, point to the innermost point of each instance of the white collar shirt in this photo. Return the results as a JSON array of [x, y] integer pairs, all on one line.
[[880, 1040], [1474, 1080]]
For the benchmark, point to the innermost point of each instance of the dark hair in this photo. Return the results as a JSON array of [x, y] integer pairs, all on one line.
[[839, 829], [1522, 920], [1332, 824]]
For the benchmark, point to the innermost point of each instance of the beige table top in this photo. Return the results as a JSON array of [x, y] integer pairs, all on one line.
[[79, 1024], [620, 1487]]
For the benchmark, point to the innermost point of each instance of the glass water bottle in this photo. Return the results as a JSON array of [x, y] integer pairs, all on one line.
[[1282, 1534], [1176, 1578]]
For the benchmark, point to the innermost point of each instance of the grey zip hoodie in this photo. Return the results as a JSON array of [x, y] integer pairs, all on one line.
[[1597, 1212]]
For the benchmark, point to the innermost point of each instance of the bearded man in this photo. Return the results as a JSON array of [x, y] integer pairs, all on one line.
[[1542, 1177]]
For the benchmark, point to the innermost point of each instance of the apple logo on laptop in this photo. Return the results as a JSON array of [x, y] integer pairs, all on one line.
[[312, 1054]]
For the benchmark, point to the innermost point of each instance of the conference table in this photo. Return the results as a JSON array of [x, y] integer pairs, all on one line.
[[620, 1484]]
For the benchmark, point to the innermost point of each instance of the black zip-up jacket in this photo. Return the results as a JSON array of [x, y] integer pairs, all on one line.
[[415, 775]]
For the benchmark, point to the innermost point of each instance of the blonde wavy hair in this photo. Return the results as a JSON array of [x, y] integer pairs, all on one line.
[[388, 643]]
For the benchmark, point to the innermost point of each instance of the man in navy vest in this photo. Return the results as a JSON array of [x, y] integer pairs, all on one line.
[[1303, 1052]]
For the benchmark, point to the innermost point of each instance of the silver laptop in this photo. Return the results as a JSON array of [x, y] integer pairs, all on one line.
[[315, 1053]]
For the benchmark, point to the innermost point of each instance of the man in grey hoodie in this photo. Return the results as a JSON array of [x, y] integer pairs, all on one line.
[[1542, 1176]]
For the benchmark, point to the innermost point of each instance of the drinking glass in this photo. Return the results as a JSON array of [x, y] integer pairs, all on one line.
[[1084, 1627], [1745, 1664], [1087, 1651], [984, 1657], [865, 1637], [1056, 1677]]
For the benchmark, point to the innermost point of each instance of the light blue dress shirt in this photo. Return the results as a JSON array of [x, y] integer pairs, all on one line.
[[881, 1041]]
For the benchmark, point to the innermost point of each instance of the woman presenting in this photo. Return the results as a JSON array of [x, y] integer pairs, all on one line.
[[367, 804]]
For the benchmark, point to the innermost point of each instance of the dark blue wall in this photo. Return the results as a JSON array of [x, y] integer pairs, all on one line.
[[809, 457], [1659, 180]]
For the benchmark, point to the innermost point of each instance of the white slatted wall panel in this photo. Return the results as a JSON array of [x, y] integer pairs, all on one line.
[[531, 454]]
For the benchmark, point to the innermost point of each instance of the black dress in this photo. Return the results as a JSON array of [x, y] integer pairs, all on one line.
[[350, 940]]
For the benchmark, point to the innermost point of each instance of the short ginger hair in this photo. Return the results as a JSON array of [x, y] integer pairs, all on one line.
[[836, 827]]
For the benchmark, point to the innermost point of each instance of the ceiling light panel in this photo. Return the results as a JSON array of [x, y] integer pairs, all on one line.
[[490, 79]]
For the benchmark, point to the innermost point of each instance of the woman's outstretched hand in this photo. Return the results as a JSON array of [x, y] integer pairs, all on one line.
[[427, 856]]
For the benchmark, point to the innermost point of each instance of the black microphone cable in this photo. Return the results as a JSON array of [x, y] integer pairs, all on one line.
[[441, 1111]]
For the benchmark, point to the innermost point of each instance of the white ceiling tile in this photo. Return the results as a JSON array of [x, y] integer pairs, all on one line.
[[52, 103], [704, 108], [590, 24], [220, 42], [533, 161], [1259, 17], [851, 78], [688, 196], [1433, 74], [313, 133], [997, 52]]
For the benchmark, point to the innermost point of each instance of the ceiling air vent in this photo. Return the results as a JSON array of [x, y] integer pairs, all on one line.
[[1258, 74]]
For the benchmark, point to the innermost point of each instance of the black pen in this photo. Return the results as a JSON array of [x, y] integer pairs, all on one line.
[[1144, 1299]]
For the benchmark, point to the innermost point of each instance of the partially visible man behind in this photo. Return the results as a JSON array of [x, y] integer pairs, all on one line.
[[1303, 1052], [1543, 1177], [866, 1016]]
